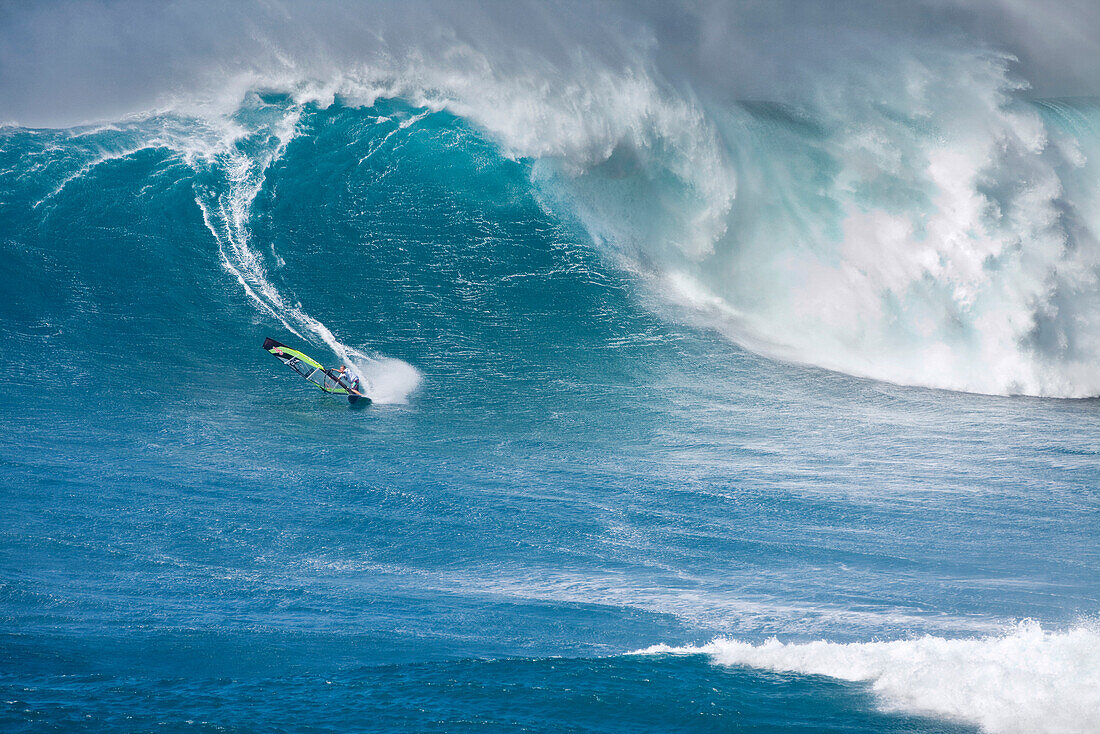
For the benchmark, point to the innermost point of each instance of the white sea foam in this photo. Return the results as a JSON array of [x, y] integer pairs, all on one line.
[[1025, 681]]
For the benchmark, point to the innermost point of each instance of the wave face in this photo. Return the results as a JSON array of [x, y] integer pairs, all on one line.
[[893, 204]]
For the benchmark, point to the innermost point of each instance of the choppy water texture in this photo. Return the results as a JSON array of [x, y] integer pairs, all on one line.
[[627, 469]]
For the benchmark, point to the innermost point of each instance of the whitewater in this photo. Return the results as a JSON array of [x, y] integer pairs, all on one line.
[[734, 367]]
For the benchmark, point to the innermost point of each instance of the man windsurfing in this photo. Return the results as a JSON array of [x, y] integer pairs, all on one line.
[[329, 379], [349, 378]]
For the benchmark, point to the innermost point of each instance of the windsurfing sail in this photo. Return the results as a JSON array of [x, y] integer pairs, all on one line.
[[325, 378]]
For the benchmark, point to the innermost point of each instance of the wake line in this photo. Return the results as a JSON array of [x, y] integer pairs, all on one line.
[[228, 265], [245, 178], [227, 216]]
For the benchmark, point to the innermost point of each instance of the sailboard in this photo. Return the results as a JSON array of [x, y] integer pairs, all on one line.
[[313, 371]]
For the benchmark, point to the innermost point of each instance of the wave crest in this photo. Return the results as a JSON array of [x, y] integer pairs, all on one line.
[[1025, 681]]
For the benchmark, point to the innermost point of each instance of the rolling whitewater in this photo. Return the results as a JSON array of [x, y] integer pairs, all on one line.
[[711, 388]]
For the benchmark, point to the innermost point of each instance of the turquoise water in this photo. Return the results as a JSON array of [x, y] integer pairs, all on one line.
[[563, 469]]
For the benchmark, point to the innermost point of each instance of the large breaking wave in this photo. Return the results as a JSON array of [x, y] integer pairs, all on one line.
[[893, 203]]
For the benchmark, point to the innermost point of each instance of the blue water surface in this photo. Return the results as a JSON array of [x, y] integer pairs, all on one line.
[[193, 539]]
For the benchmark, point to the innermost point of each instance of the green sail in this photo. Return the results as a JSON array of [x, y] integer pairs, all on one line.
[[308, 368]]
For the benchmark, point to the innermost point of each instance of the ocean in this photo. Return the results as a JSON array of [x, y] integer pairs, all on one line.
[[692, 411]]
